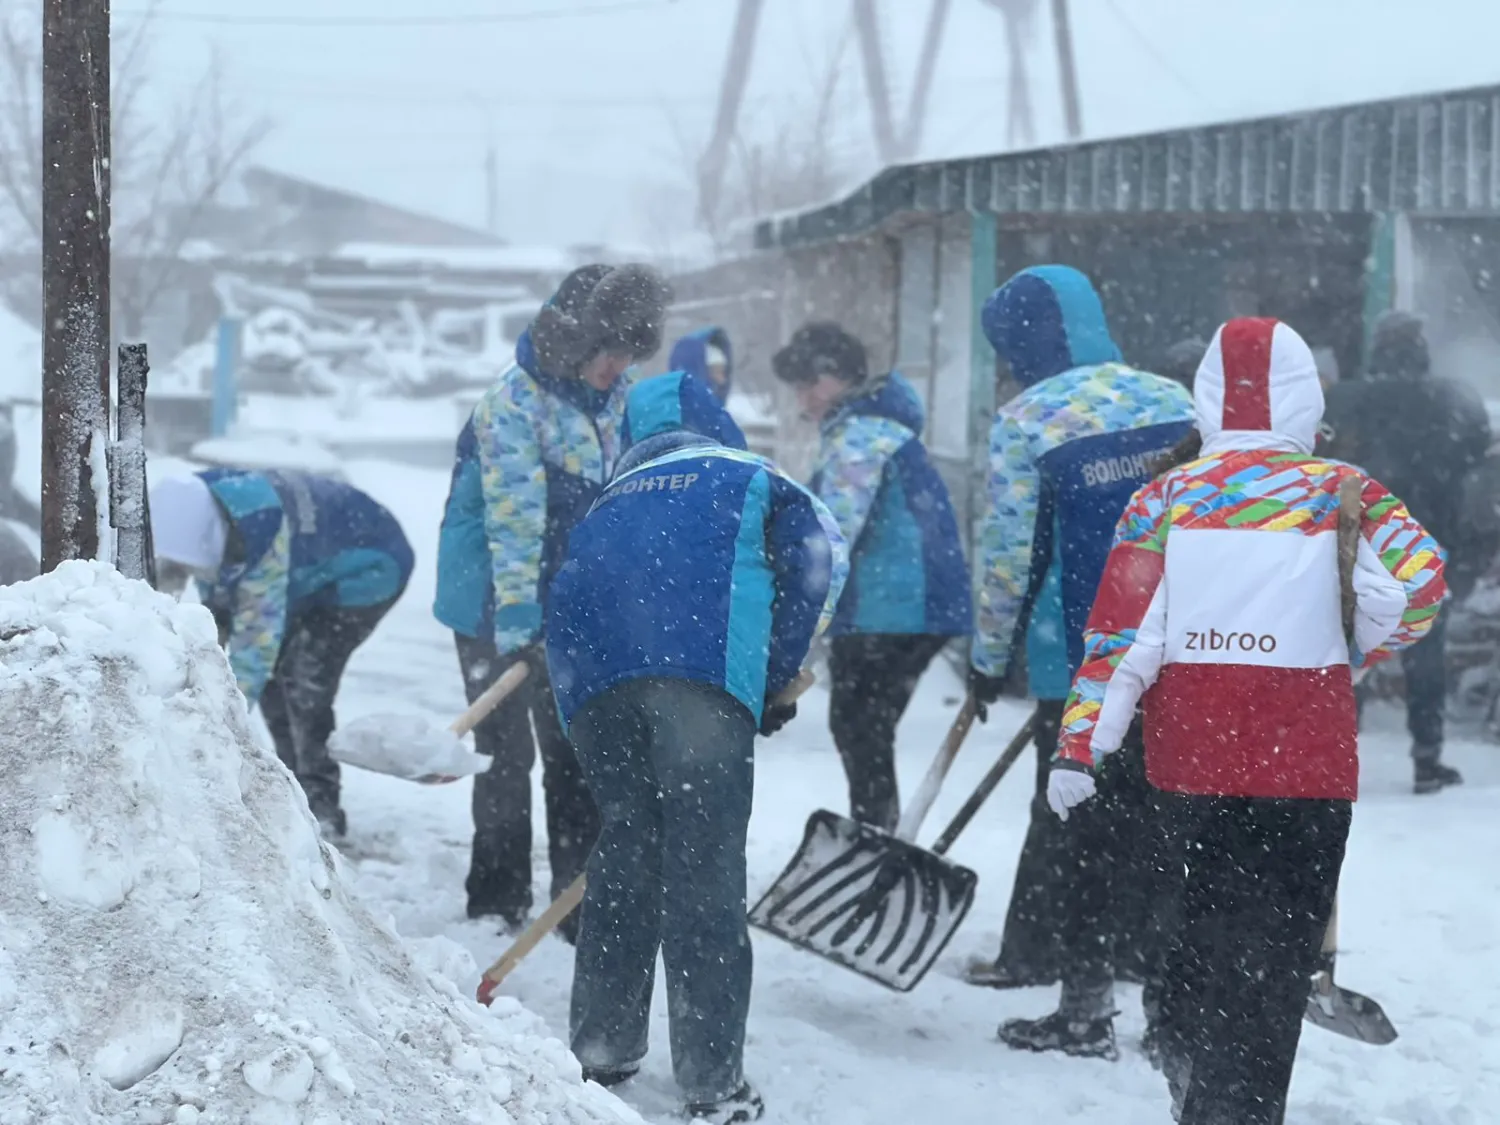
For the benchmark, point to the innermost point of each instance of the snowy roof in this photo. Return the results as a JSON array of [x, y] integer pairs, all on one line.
[[499, 259], [1436, 153]]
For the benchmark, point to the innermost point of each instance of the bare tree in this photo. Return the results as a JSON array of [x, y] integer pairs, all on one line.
[[167, 173]]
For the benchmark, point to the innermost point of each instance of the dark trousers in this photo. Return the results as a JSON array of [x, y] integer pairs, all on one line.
[[1260, 882], [673, 765], [874, 677], [500, 863], [1424, 666], [297, 702]]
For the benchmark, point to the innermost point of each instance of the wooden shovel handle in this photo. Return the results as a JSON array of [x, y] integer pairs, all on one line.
[[1351, 515], [493, 696], [916, 811], [566, 902]]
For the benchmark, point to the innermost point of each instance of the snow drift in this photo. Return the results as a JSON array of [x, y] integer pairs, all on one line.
[[176, 946]]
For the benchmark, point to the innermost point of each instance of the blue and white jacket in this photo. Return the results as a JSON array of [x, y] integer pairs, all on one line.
[[690, 354], [533, 456], [296, 542], [1065, 457], [907, 571], [698, 562]]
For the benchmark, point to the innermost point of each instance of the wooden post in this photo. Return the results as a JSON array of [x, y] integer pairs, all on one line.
[[75, 277]]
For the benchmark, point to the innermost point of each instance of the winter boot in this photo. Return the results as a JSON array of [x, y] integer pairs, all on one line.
[[611, 1076], [742, 1106], [984, 973], [1080, 1037], [1429, 775]]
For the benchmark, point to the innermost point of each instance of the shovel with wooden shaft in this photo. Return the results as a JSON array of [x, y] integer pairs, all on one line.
[[565, 903], [872, 901], [1342, 1010]]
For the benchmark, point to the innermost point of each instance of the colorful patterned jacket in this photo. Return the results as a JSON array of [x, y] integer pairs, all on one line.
[[699, 562], [1220, 605], [907, 569], [1065, 455], [531, 459], [296, 542]]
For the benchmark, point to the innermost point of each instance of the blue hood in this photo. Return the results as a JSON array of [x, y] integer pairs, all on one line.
[[1047, 320], [891, 397], [675, 402], [690, 354]]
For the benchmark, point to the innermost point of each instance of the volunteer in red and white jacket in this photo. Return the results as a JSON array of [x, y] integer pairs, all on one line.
[[1219, 612]]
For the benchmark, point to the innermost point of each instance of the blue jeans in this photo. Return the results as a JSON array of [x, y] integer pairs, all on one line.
[[671, 766]]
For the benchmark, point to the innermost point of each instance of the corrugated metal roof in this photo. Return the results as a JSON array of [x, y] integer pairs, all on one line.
[[1432, 154]]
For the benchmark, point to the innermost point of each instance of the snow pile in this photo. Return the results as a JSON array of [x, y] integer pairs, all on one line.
[[176, 946]]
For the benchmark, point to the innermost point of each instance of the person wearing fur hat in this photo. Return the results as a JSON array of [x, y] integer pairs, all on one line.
[[908, 590], [1423, 435], [707, 355], [298, 570], [533, 456], [1225, 611]]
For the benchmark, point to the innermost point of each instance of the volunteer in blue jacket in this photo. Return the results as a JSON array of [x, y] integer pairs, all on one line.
[[687, 603], [1066, 454], [534, 455], [908, 592], [707, 355], [298, 570]]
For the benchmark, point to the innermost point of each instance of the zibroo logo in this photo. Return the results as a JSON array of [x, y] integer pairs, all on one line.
[[1215, 641]]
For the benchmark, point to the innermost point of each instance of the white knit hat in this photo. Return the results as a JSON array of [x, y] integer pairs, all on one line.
[[187, 525], [714, 357]]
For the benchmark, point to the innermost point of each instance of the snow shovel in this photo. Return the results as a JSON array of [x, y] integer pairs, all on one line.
[[1342, 1010], [872, 901], [549, 919], [408, 746]]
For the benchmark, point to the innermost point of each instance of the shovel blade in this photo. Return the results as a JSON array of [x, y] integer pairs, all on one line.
[[1350, 1014], [861, 898]]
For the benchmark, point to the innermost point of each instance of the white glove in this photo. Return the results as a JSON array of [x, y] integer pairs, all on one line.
[[1068, 788]]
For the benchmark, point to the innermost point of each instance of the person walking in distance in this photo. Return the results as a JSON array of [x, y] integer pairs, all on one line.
[[1422, 435], [686, 606], [1220, 609], [1065, 455], [534, 455], [908, 592], [706, 355]]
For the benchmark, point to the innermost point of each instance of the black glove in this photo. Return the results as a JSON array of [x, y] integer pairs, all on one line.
[[775, 716], [984, 690]]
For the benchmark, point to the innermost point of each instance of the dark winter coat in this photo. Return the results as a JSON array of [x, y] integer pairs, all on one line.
[[1418, 434]]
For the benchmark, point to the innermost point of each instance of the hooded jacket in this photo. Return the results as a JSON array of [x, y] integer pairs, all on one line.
[[1065, 455], [690, 354], [701, 562], [295, 542], [674, 402], [907, 570], [532, 457], [1220, 604]]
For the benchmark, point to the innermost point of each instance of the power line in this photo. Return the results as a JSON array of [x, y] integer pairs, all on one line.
[[455, 20]]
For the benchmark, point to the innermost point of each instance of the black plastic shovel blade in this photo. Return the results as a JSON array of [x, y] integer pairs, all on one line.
[[865, 900], [1348, 1013]]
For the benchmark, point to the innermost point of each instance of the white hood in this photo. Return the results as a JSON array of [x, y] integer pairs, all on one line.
[[1258, 388], [187, 525]]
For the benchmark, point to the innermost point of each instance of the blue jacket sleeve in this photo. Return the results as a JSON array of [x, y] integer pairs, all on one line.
[[257, 606], [1006, 538], [513, 481], [810, 561], [852, 469]]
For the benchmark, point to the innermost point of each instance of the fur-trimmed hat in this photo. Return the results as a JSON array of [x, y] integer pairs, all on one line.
[[601, 308], [821, 347]]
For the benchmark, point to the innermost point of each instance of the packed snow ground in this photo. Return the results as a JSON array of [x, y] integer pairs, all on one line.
[[1420, 915], [176, 947]]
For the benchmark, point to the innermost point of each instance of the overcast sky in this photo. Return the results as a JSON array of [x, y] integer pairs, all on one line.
[[593, 102]]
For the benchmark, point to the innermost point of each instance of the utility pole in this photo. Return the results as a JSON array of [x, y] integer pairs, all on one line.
[[1067, 69], [75, 278], [491, 189], [916, 115], [715, 158], [868, 28]]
